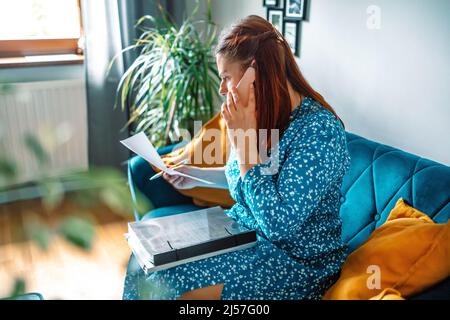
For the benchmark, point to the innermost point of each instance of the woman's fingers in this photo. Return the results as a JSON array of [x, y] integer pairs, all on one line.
[[177, 180], [174, 179], [230, 103], [182, 168], [167, 177], [235, 96], [224, 112], [179, 168], [251, 97]]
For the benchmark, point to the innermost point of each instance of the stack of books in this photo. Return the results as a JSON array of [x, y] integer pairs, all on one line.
[[166, 242]]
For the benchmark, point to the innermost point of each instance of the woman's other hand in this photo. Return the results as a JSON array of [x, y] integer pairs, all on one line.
[[184, 183]]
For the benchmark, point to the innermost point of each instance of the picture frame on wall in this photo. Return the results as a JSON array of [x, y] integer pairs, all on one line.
[[294, 9], [291, 32], [275, 17], [271, 3]]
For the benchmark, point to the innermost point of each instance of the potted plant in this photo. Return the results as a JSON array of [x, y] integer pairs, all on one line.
[[174, 79]]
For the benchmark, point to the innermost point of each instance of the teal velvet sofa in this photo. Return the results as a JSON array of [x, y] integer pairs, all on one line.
[[27, 297], [379, 175]]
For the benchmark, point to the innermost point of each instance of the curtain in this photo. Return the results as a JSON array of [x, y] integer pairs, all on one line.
[[108, 28]]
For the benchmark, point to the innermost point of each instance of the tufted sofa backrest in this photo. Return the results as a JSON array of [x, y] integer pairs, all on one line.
[[379, 175]]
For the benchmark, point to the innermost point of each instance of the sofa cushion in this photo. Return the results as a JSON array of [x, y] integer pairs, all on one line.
[[409, 253], [378, 176]]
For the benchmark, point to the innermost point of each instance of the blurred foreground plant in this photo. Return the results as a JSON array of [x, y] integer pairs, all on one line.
[[84, 189]]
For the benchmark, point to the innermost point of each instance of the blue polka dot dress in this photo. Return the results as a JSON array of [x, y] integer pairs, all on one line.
[[293, 204]]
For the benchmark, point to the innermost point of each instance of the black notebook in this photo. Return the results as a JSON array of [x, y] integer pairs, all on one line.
[[166, 242]]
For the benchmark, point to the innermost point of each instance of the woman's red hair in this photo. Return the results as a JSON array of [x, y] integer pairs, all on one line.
[[254, 38]]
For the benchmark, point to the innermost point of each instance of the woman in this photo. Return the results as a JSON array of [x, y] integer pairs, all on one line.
[[295, 210]]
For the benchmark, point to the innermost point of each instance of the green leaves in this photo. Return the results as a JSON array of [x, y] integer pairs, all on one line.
[[174, 80], [6, 88], [86, 190], [18, 288], [36, 148], [8, 170], [209, 14], [39, 232], [78, 231], [53, 193]]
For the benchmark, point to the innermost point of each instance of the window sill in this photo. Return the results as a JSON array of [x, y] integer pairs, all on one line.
[[42, 60]]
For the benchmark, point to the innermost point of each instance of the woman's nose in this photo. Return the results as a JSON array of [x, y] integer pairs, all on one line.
[[223, 90]]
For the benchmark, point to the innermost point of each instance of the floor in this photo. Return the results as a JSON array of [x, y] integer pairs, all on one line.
[[64, 271]]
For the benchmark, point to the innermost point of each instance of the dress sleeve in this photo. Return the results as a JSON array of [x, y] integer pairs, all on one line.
[[315, 159], [239, 212]]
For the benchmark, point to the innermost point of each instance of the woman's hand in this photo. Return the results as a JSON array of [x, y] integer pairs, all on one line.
[[183, 183], [215, 175], [238, 116]]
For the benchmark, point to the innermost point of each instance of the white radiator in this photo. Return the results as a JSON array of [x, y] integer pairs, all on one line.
[[53, 111]]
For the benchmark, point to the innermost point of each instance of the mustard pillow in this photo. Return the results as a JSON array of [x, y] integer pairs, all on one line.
[[408, 254]]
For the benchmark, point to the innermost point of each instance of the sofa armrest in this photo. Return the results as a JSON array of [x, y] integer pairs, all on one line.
[[159, 192], [26, 296]]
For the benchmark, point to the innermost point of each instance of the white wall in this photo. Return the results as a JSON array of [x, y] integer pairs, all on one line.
[[391, 85]]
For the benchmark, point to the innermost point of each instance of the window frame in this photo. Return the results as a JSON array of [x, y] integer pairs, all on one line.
[[17, 48]]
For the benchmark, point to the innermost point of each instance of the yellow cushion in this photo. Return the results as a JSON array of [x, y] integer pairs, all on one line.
[[194, 151], [410, 251], [388, 294]]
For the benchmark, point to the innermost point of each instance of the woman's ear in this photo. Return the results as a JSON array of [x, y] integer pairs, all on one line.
[[253, 64]]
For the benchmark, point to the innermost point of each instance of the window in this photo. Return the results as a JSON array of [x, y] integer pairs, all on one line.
[[39, 27]]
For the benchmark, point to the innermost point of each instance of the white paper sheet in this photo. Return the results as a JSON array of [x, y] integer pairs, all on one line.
[[140, 145]]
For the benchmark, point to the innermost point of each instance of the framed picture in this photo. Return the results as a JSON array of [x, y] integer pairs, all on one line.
[[275, 17], [294, 9], [272, 3], [291, 34]]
